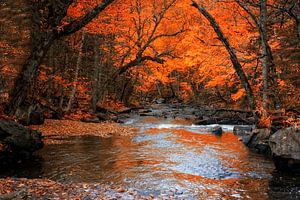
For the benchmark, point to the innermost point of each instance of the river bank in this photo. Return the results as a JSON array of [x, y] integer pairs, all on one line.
[[54, 130]]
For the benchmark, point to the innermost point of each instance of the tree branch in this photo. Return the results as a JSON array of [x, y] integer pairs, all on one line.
[[135, 62], [76, 25], [235, 62]]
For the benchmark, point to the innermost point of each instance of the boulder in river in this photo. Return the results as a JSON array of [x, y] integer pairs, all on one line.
[[259, 141], [240, 130], [243, 132], [217, 130], [17, 141], [285, 147]]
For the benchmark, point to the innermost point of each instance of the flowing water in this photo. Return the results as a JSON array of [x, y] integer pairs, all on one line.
[[167, 155]]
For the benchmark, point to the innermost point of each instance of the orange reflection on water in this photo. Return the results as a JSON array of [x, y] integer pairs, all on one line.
[[227, 143], [191, 138]]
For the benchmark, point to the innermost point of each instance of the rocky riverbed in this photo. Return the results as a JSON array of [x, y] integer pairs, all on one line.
[[22, 188]]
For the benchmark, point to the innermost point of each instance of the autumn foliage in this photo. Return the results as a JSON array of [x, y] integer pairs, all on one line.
[[139, 50]]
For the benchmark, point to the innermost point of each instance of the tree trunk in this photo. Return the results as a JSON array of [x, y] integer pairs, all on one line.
[[269, 62], [264, 60], [96, 75], [158, 89], [29, 73], [295, 13], [236, 64], [123, 93], [298, 27], [74, 89], [61, 98], [274, 78], [30, 68]]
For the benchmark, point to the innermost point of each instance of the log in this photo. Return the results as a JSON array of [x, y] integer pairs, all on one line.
[[222, 120], [232, 110]]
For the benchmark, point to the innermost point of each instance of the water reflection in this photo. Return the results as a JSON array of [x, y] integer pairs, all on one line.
[[165, 155]]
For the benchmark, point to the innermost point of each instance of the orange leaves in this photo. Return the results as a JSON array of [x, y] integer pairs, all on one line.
[[186, 90], [281, 83], [59, 80], [80, 7], [77, 128], [76, 11], [81, 89], [218, 80], [111, 103], [201, 58], [265, 122], [104, 23], [8, 70], [239, 94], [43, 76]]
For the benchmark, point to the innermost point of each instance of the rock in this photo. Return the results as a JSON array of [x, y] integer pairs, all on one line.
[[18, 141], [91, 120], [144, 110], [118, 119], [259, 141], [285, 147], [244, 133], [240, 130], [30, 115], [125, 110], [22, 115], [147, 114], [101, 109], [103, 116], [217, 130], [51, 114], [160, 101], [36, 117]]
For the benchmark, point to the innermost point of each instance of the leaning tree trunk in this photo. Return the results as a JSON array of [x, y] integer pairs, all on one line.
[[236, 64], [29, 73]]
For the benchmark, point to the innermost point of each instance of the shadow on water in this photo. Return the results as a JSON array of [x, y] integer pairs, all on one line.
[[166, 154], [284, 186], [31, 168]]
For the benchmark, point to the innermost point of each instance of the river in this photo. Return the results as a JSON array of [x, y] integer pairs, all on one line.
[[166, 155]]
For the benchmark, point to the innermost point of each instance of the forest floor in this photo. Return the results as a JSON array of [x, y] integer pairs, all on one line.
[[53, 130]]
